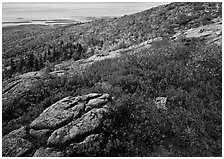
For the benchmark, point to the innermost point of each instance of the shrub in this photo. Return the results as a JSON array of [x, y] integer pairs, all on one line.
[[189, 75]]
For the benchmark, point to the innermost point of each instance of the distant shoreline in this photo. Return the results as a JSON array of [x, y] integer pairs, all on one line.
[[76, 20], [48, 22], [40, 24], [15, 22]]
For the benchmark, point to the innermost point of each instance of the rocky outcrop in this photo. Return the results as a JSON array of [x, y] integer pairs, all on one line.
[[15, 147], [72, 121], [90, 144], [48, 152], [14, 143], [16, 86], [77, 130], [71, 67], [211, 33]]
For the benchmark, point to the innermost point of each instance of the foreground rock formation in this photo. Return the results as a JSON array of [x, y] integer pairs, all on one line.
[[61, 129]]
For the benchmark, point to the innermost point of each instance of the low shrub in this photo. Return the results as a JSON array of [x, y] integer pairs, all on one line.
[[189, 75]]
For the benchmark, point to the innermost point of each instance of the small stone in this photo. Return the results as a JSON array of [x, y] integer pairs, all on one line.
[[161, 102]]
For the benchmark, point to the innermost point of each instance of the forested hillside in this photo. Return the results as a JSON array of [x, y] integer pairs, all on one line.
[[58, 43]]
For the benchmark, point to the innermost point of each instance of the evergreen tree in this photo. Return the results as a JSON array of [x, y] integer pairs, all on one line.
[[45, 57], [48, 51], [13, 67], [41, 62], [36, 64], [62, 43], [79, 50], [30, 62], [21, 64]]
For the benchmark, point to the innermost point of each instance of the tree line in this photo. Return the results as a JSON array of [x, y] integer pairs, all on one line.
[[34, 61]]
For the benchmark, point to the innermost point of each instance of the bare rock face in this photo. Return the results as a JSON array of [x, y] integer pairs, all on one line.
[[91, 145], [20, 83], [21, 133], [77, 130], [14, 144], [52, 119], [62, 112], [15, 147], [96, 103], [40, 135], [16, 87], [72, 120], [211, 33], [48, 152]]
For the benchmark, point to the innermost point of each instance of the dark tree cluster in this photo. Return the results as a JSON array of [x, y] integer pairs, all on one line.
[[64, 51], [25, 64], [36, 61]]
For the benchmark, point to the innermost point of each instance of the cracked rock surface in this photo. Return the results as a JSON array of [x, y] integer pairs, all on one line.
[[70, 121]]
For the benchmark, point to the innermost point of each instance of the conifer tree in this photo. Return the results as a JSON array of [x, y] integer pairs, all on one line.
[[30, 62], [41, 62], [13, 67], [21, 64], [36, 64]]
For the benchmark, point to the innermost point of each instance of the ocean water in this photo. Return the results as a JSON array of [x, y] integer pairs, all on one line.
[[39, 13]]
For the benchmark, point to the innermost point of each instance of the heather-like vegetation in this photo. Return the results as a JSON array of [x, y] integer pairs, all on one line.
[[20, 43], [172, 52], [189, 74]]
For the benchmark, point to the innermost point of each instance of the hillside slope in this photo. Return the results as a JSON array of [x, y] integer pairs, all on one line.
[[111, 33], [161, 21], [170, 53]]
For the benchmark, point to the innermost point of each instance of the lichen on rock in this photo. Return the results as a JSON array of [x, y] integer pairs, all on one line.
[[70, 120]]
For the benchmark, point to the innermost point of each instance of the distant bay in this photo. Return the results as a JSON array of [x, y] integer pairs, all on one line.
[[66, 13]]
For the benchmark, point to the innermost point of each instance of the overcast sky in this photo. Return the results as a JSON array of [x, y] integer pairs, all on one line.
[[40, 10]]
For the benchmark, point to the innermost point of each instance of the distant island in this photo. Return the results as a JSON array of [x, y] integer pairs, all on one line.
[[67, 21], [47, 22]]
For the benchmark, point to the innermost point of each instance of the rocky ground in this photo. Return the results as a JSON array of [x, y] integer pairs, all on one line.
[[211, 33], [76, 125], [63, 129]]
